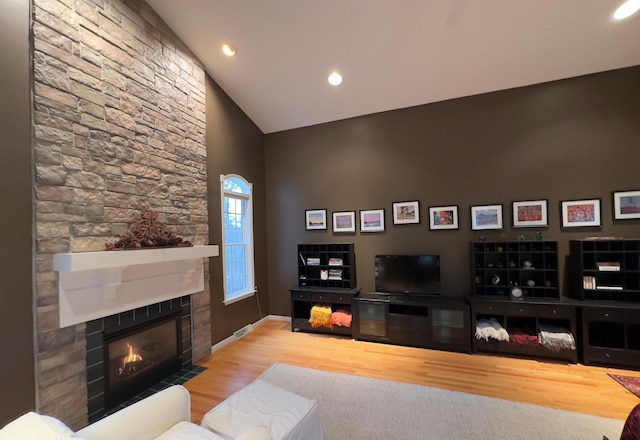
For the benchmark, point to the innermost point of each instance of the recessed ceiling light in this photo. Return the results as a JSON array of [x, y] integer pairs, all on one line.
[[627, 9], [335, 79], [228, 50]]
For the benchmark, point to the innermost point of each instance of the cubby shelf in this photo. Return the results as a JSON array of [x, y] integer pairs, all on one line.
[[326, 277], [530, 265], [335, 260], [606, 278], [605, 270]]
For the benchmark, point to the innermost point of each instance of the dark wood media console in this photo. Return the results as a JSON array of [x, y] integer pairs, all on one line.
[[435, 322]]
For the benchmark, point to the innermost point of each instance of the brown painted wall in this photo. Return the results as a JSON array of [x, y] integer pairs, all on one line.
[[234, 146], [563, 140], [17, 379]]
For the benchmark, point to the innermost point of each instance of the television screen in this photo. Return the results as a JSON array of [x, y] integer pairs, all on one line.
[[417, 274]]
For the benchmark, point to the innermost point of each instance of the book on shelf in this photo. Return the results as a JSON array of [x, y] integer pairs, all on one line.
[[608, 266], [589, 283], [335, 261], [605, 287], [335, 274], [313, 261]]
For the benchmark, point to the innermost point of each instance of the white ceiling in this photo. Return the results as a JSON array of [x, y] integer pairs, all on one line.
[[392, 53]]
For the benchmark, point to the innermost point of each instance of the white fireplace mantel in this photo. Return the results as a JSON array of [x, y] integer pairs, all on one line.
[[93, 285]]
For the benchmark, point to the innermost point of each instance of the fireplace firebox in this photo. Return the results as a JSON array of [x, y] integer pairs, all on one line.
[[138, 357]]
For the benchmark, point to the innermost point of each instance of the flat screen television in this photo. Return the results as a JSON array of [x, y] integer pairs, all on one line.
[[408, 274]]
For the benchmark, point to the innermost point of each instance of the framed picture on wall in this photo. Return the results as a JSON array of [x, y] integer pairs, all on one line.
[[626, 205], [344, 221], [443, 217], [406, 212], [576, 213], [372, 220], [315, 219], [486, 217], [531, 213]]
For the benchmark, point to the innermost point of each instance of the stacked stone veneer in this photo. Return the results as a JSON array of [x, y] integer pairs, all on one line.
[[119, 127]]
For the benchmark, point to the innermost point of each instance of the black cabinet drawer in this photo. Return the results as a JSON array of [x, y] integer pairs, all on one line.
[[555, 312], [520, 309], [321, 297], [487, 308], [606, 355], [301, 295], [341, 298], [605, 315]]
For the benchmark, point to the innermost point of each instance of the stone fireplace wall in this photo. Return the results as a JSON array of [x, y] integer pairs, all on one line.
[[119, 127]]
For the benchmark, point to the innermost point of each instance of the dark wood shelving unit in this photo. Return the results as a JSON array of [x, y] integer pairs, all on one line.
[[532, 266], [335, 289], [606, 279], [605, 270]]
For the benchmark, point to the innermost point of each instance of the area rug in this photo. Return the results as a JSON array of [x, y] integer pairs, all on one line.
[[360, 408], [632, 384]]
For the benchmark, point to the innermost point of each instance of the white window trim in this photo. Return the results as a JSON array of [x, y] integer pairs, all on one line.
[[251, 291], [227, 302]]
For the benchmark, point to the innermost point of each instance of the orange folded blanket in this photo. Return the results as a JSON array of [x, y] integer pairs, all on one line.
[[341, 318]]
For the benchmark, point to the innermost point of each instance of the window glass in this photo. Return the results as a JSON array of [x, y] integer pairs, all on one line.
[[237, 238]]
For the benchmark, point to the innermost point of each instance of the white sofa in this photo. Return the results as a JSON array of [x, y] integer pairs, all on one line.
[[163, 416]]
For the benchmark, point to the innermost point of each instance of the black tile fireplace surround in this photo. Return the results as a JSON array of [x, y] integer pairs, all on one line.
[[99, 401]]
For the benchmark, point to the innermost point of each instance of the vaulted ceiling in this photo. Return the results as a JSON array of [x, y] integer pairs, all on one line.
[[392, 53]]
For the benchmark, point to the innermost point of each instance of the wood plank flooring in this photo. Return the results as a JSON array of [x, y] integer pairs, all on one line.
[[572, 387]]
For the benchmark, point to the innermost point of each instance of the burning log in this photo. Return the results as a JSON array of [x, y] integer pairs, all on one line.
[[131, 363]]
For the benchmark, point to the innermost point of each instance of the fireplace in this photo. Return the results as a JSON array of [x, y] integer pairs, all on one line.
[[138, 357], [159, 334]]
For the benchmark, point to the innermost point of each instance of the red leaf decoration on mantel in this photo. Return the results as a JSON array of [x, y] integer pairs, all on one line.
[[147, 232]]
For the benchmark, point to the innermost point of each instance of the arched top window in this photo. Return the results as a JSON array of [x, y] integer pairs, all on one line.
[[237, 237], [237, 184]]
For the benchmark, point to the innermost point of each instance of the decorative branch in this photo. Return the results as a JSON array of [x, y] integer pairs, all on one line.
[[147, 232]]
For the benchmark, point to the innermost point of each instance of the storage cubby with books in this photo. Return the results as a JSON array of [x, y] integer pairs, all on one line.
[[498, 266], [605, 276], [327, 265], [605, 269]]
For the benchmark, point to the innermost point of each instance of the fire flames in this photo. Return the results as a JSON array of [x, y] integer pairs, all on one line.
[[130, 362]]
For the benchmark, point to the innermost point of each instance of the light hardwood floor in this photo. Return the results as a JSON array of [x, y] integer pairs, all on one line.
[[572, 387]]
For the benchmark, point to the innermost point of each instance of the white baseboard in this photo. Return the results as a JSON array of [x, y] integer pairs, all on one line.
[[234, 337]]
